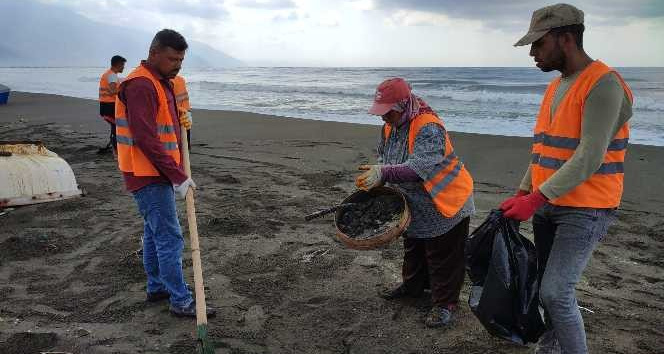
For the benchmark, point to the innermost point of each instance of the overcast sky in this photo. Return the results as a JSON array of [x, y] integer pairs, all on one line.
[[386, 32]]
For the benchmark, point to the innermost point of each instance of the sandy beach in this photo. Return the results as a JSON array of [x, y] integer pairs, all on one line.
[[69, 281]]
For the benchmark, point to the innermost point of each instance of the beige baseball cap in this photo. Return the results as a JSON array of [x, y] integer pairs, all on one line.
[[549, 17]]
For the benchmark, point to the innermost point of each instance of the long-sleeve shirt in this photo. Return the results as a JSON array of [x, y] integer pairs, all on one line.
[[399, 174], [428, 155], [140, 97], [605, 111]]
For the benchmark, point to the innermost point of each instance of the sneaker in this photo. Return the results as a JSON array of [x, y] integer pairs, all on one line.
[[399, 292], [548, 344], [439, 316], [161, 295], [190, 311], [157, 296]]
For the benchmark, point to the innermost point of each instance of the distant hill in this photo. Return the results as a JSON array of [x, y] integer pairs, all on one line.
[[36, 34]]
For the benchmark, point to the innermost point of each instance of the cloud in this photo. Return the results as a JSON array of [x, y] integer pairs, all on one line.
[[362, 5], [266, 4], [329, 19], [510, 11], [207, 9], [99, 9], [287, 17], [416, 18], [329, 22]]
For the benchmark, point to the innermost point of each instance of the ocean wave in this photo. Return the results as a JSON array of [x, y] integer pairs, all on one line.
[[88, 79], [629, 79], [488, 97], [222, 86], [538, 89], [471, 85], [648, 104], [530, 95], [441, 82], [527, 94]]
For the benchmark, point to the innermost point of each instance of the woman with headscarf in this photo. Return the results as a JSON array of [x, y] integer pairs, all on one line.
[[416, 156]]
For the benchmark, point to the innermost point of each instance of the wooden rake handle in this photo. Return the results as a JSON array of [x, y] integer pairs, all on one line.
[[201, 314]]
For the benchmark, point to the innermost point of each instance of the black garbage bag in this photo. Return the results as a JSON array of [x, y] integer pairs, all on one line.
[[502, 266]]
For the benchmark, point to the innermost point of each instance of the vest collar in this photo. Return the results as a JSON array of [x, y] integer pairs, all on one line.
[[152, 71]]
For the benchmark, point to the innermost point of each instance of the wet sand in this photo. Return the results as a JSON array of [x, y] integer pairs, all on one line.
[[69, 281]]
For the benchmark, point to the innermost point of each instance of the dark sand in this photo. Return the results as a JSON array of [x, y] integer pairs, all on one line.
[[68, 281]]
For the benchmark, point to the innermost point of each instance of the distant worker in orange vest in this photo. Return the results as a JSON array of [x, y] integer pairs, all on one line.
[[416, 156], [150, 158], [574, 181], [184, 107], [108, 90]]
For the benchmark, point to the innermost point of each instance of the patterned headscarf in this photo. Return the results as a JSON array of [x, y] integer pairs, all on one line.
[[411, 107]]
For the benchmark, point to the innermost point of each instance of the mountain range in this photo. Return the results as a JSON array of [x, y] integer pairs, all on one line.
[[38, 34]]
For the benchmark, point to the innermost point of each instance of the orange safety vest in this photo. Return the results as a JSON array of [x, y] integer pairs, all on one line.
[[130, 157], [105, 94], [557, 137], [449, 186], [181, 94]]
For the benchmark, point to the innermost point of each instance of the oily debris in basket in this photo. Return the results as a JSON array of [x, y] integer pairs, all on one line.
[[372, 217]]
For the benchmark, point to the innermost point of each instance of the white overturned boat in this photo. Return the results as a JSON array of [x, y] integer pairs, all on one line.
[[30, 174]]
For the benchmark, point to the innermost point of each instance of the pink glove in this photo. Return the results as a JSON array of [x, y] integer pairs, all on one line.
[[522, 208]]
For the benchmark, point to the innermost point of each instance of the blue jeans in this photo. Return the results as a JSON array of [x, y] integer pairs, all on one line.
[[162, 243], [565, 238]]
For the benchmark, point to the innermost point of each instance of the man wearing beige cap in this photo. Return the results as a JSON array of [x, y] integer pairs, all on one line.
[[575, 178]]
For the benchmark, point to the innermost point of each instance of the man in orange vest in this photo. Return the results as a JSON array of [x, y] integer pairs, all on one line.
[[416, 156], [574, 182], [148, 138], [184, 107], [108, 90]]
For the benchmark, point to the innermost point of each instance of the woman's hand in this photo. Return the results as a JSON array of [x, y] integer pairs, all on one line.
[[371, 178]]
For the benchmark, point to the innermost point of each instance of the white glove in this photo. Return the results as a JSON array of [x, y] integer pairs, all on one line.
[[371, 178], [182, 188]]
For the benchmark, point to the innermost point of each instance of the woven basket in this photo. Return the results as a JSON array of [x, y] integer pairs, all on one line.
[[380, 239]]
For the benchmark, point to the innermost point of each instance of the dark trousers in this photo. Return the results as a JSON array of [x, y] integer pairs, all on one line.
[[112, 140], [438, 264], [107, 111]]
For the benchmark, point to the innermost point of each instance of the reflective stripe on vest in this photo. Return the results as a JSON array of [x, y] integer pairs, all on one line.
[[437, 188], [450, 184], [121, 121], [170, 146], [553, 163], [556, 138], [130, 156], [443, 165], [571, 143], [105, 93], [121, 139], [165, 129]]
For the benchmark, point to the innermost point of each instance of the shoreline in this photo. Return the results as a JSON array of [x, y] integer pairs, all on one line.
[[492, 159], [224, 111]]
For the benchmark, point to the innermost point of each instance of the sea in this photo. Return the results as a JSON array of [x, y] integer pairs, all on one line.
[[497, 101]]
